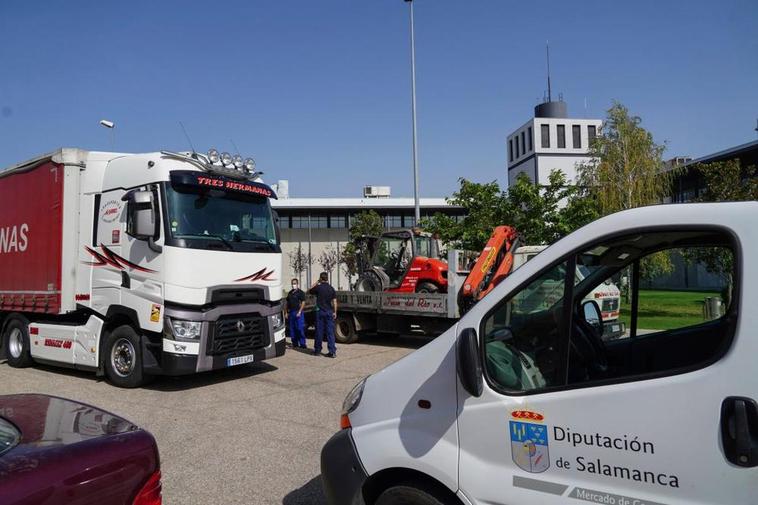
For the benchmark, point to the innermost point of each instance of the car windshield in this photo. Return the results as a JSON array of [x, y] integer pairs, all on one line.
[[9, 436], [222, 217]]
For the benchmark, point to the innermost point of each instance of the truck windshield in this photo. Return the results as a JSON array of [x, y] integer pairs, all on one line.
[[218, 220]]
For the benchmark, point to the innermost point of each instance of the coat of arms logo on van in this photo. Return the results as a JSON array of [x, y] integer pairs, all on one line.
[[529, 441]]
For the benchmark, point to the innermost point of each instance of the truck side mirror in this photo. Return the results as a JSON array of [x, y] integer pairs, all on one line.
[[468, 362], [277, 229], [140, 214]]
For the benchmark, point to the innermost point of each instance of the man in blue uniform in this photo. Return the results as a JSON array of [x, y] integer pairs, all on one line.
[[295, 306], [326, 306]]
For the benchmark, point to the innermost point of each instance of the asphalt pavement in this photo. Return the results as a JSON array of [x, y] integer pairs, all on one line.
[[251, 434]]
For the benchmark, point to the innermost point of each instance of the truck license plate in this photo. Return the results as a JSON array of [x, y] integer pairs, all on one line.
[[240, 360]]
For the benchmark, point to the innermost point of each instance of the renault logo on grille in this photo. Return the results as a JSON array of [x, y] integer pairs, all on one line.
[[240, 325]]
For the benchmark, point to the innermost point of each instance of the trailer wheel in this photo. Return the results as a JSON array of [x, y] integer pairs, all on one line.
[[123, 358], [16, 343], [344, 329], [427, 287]]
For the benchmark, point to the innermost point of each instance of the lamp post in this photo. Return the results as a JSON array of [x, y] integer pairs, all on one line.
[[417, 206], [111, 126]]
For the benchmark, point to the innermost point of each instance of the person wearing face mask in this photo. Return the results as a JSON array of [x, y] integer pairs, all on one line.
[[295, 306]]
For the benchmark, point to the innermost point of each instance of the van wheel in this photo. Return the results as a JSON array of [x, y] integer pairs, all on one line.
[[16, 343], [427, 287], [412, 494], [122, 358], [344, 329]]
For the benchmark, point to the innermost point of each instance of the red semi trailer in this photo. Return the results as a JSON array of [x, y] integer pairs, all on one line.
[[31, 240]]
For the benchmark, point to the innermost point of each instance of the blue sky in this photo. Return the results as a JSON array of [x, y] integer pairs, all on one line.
[[319, 91]]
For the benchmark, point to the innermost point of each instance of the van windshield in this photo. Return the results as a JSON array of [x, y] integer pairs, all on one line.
[[220, 220]]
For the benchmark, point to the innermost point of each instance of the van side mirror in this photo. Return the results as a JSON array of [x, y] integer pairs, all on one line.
[[140, 214], [468, 362], [592, 315]]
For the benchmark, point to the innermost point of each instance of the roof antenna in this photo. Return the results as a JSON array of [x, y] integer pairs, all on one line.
[[237, 151], [547, 50], [194, 153]]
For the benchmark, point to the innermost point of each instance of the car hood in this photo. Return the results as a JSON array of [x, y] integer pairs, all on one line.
[[48, 420]]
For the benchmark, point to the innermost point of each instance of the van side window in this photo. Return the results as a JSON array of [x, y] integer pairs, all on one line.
[[641, 306], [521, 336]]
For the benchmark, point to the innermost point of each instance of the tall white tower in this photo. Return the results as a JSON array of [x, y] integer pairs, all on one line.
[[550, 140]]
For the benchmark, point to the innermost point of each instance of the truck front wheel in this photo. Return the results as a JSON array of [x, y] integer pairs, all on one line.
[[123, 358], [16, 343]]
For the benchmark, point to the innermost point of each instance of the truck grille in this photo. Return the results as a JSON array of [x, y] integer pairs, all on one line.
[[610, 305], [233, 334]]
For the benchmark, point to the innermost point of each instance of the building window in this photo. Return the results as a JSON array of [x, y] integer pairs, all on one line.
[[591, 133], [529, 136], [561, 136], [523, 142], [409, 221], [510, 150], [319, 222], [545, 135], [393, 221], [284, 222], [337, 222], [576, 133], [518, 152], [300, 221]]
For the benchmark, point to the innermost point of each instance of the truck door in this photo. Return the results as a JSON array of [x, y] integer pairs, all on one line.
[[125, 270], [663, 415]]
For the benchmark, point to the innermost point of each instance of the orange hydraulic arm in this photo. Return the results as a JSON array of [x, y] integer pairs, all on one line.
[[493, 265]]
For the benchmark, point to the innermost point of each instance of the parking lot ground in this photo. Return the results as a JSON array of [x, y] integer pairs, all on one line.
[[245, 435]]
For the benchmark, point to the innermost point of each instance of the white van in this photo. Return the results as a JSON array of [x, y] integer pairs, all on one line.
[[522, 402]]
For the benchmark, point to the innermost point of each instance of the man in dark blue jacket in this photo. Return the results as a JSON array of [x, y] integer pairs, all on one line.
[[326, 313], [295, 306]]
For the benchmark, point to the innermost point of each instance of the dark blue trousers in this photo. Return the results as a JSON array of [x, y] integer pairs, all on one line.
[[297, 328], [325, 324]]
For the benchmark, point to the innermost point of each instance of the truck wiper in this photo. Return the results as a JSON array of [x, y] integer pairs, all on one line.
[[211, 235], [222, 239], [260, 241]]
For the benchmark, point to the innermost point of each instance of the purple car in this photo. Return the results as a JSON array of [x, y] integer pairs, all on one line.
[[57, 451]]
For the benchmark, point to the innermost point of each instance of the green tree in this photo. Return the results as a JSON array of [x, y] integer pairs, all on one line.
[[725, 181], [541, 214], [625, 170], [364, 224]]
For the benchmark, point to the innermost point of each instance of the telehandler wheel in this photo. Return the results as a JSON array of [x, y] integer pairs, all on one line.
[[16, 343], [427, 287], [344, 329], [122, 358]]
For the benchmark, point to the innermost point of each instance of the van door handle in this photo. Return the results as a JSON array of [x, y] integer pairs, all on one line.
[[739, 430]]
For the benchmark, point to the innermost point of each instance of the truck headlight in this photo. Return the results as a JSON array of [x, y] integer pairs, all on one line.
[[277, 320], [352, 400], [185, 330]]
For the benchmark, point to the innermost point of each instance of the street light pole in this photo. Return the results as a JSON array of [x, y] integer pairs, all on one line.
[[417, 206]]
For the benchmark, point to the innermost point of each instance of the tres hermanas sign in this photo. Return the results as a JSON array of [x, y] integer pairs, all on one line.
[[199, 179]]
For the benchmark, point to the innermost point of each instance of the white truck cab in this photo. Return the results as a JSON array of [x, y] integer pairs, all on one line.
[[136, 265], [522, 401]]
